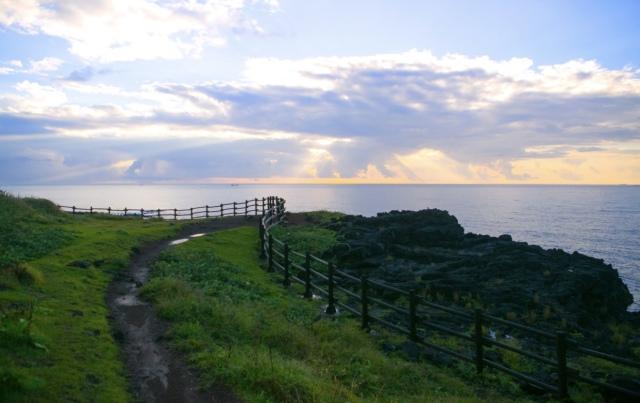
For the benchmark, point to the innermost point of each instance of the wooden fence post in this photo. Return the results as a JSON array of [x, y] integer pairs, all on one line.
[[90, 210], [234, 209], [125, 211], [142, 213], [561, 339], [261, 231], [175, 214], [307, 276], [287, 280], [263, 205], [331, 308], [255, 206], [364, 299], [479, 359], [73, 209], [206, 210], [413, 319], [270, 267], [221, 210], [159, 213], [246, 207], [109, 210]]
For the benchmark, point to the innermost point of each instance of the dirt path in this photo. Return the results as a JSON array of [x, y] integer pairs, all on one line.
[[157, 374]]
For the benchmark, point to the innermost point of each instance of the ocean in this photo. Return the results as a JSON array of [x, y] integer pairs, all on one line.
[[599, 221]]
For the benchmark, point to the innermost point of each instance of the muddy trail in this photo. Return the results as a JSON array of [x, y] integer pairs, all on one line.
[[157, 374]]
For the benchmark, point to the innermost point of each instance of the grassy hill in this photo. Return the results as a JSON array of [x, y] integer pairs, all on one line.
[[55, 341], [237, 325]]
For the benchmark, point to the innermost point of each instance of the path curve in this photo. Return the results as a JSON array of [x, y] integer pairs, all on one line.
[[157, 374]]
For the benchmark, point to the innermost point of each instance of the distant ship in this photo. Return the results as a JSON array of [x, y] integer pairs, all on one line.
[[235, 184]]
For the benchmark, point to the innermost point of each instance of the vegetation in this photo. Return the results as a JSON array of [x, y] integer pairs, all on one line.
[[238, 326], [27, 229], [55, 341], [312, 235]]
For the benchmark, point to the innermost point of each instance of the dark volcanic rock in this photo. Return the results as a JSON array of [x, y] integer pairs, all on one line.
[[428, 249]]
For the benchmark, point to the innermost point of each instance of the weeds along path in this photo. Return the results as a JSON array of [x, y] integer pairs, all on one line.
[[157, 374]]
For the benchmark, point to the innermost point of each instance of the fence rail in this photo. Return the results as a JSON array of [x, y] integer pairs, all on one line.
[[356, 295], [252, 207]]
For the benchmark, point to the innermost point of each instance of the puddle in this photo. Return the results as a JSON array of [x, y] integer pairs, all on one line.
[[183, 240]]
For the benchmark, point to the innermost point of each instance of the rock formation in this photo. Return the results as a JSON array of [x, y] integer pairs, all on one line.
[[429, 250]]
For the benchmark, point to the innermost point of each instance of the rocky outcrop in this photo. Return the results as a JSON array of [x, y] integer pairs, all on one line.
[[429, 250]]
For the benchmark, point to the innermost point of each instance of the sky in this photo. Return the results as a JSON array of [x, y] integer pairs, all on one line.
[[299, 91]]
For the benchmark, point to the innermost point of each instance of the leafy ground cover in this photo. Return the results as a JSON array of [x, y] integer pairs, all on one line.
[[309, 232], [239, 326], [55, 341]]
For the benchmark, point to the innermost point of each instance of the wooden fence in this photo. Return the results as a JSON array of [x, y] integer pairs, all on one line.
[[253, 207], [361, 297], [414, 317]]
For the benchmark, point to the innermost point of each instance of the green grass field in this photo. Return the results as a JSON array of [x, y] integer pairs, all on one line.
[[55, 341], [237, 325]]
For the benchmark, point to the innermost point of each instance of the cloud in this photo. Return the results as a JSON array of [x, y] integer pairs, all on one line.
[[473, 109], [39, 67], [18, 125], [45, 65], [37, 97], [121, 30], [85, 74], [408, 117]]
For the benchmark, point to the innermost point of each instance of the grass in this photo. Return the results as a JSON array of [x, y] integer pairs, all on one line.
[[311, 236], [55, 340], [238, 326], [28, 229]]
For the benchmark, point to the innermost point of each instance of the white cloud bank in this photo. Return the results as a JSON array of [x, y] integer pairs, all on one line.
[[482, 80], [39, 67], [124, 30], [408, 117]]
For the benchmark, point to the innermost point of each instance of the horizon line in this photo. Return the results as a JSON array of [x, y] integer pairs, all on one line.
[[312, 184]]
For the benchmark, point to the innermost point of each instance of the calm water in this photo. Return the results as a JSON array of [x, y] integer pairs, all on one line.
[[601, 221]]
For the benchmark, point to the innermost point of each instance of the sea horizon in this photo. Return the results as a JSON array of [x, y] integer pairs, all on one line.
[[322, 184]]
